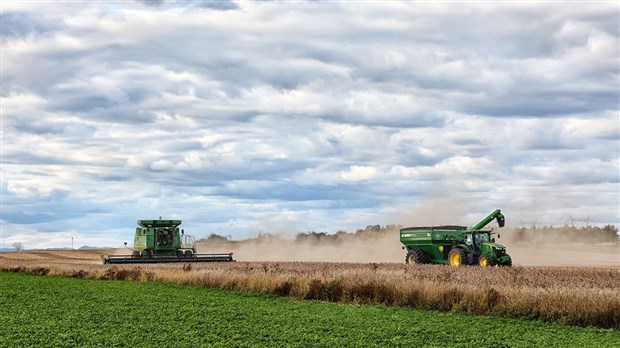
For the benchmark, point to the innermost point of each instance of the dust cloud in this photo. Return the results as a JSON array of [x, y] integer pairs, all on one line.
[[569, 255], [385, 247], [561, 246]]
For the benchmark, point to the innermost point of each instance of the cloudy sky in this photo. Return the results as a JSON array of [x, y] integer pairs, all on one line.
[[241, 117]]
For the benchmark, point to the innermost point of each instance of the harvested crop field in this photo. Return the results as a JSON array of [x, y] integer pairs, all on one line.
[[570, 295]]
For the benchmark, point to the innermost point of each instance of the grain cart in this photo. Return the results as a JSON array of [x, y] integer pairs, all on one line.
[[455, 245], [157, 241]]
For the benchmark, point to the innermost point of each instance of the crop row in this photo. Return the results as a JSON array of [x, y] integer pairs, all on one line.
[[65, 312], [574, 296]]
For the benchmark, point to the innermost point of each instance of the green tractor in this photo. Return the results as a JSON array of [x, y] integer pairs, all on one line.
[[158, 241], [455, 245]]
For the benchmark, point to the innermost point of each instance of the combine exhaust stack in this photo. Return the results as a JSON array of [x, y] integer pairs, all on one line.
[[161, 241]]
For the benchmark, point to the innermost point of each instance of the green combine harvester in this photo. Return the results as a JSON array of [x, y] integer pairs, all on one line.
[[455, 245], [158, 241]]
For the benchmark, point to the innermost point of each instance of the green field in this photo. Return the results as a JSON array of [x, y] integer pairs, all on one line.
[[43, 311]]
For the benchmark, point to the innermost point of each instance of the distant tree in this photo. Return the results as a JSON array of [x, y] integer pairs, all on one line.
[[19, 246], [216, 238], [610, 233]]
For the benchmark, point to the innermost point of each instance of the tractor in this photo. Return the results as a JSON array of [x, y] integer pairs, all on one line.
[[455, 245]]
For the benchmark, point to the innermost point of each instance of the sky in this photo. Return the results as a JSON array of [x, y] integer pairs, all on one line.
[[247, 117]]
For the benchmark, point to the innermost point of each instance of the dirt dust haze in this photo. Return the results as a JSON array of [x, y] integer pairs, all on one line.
[[387, 248]]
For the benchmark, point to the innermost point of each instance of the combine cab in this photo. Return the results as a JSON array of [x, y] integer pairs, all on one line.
[[455, 245], [158, 241]]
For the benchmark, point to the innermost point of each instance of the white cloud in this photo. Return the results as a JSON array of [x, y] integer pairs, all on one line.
[[304, 115], [359, 173]]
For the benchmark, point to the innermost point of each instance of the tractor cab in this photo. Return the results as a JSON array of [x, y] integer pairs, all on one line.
[[487, 251], [479, 237]]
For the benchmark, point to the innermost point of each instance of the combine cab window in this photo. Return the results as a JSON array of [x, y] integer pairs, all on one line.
[[164, 237]]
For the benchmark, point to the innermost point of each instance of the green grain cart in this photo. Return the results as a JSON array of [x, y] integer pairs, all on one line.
[[455, 245], [158, 241]]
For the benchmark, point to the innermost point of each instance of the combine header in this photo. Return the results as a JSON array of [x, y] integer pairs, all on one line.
[[455, 245], [159, 241]]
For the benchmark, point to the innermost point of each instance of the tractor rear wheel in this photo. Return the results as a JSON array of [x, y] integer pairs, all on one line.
[[416, 256], [484, 261], [457, 257]]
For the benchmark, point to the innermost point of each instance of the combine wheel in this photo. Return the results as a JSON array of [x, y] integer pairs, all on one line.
[[416, 256], [135, 254], [146, 254], [457, 257], [179, 253], [484, 261]]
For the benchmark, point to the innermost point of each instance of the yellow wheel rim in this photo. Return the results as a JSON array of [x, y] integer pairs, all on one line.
[[411, 259], [455, 259], [484, 262]]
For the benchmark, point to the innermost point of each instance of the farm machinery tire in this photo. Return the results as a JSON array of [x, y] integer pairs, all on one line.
[[484, 261], [416, 256], [457, 257]]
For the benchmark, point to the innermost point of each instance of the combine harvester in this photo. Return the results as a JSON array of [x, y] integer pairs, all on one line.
[[455, 245], [159, 241]]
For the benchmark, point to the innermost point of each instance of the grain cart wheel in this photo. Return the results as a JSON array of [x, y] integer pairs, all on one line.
[[188, 253], [410, 258], [416, 256], [457, 257], [484, 261]]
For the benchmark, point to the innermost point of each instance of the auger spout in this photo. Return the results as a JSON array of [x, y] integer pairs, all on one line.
[[497, 214]]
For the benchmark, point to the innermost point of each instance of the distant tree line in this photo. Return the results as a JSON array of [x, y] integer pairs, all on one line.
[[567, 234], [371, 231], [545, 234]]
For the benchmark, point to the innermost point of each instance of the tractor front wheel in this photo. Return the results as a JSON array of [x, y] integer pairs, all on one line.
[[484, 261], [457, 257]]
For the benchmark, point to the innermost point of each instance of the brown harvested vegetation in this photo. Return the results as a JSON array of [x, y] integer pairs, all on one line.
[[575, 296]]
